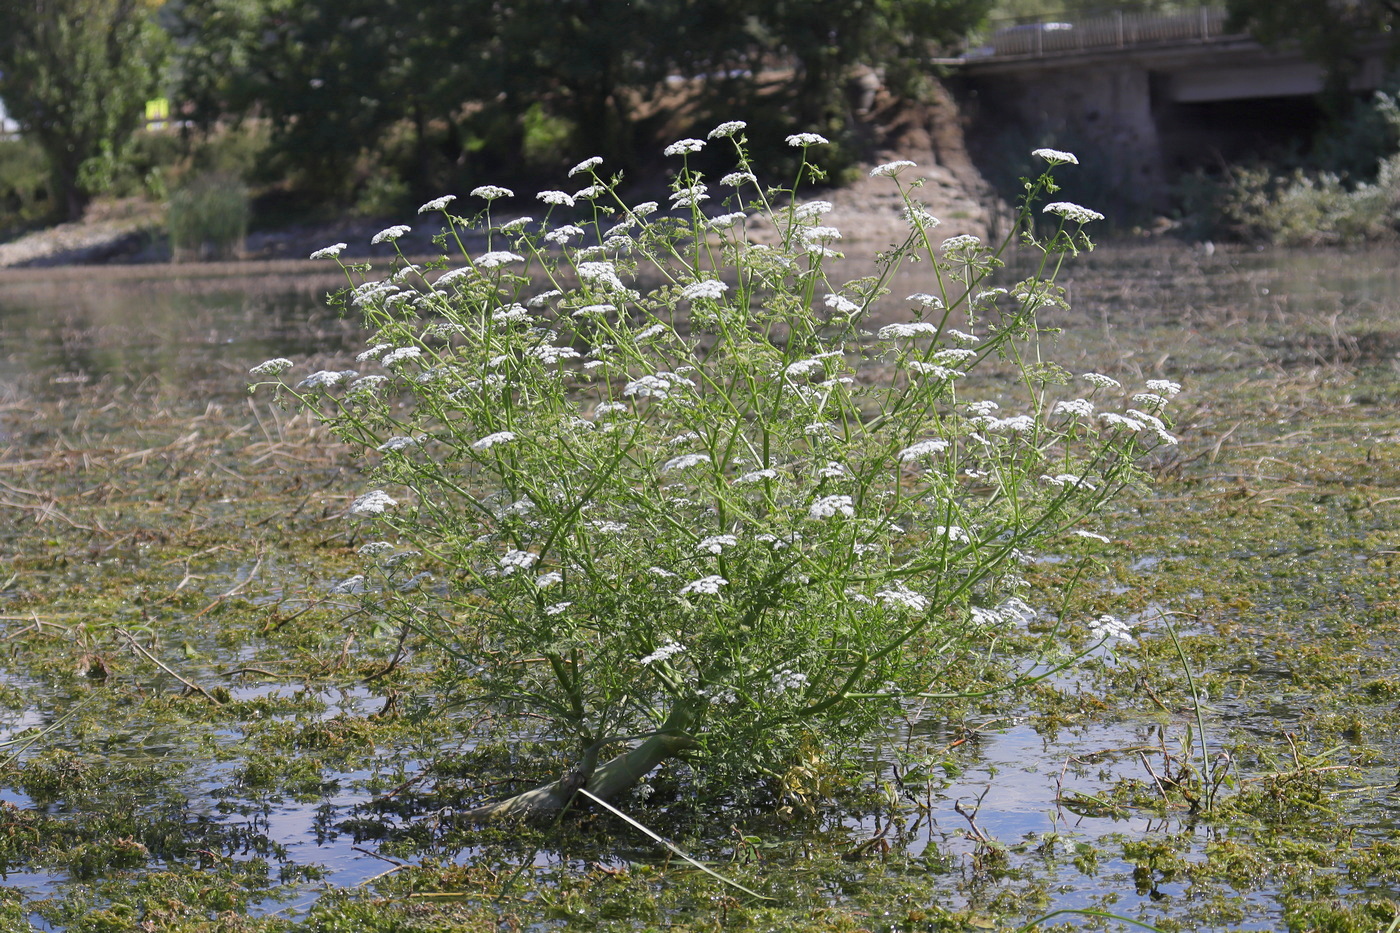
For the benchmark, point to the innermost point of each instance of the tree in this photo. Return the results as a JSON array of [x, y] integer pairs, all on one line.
[[76, 75], [476, 81], [1328, 32]]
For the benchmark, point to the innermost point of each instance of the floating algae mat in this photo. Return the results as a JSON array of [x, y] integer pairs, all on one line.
[[200, 733]]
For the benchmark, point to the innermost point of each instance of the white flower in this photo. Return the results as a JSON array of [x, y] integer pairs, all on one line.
[[757, 476], [517, 225], [374, 549], [329, 252], [735, 179], [645, 208], [813, 209], [926, 300], [556, 197], [368, 383], [891, 168], [658, 385], [1163, 387], [603, 274], [786, 680], [272, 367], [716, 544], [901, 597], [1020, 424], [1119, 421], [1106, 627], [1072, 212], [914, 329], [517, 560], [831, 506], [401, 354], [397, 443], [608, 528], [961, 337], [452, 275], [492, 192], [544, 297], [1155, 423], [684, 147], [545, 580], [1075, 408], [705, 586], [953, 533], [1150, 401], [727, 128], [954, 355], [1100, 381], [562, 235], [983, 408], [372, 503], [437, 204], [593, 311], [710, 288], [725, 221], [689, 197], [587, 165], [804, 367], [556, 609], [497, 258], [918, 215], [841, 304], [832, 470], [491, 440], [922, 449], [662, 653], [351, 585], [1068, 479], [806, 139], [587, 194], [684, 462], [390, 234], [1055, 156], [1092, 536], [811, 234], [660, 572], [1017, 611], [321, 380], [934, 370], [508, 315], [966, 241]]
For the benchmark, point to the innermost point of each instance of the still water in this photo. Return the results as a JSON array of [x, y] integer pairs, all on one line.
[[1159, 310]]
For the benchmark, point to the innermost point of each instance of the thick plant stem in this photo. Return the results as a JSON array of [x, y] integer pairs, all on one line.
[[604, 781]]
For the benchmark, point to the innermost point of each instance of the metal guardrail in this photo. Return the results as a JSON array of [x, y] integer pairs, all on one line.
[[1115, 31]]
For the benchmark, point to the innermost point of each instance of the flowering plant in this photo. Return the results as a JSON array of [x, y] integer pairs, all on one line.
[[685, 503]]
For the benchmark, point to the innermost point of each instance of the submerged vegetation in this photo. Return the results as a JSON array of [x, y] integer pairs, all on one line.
[[208, 728]]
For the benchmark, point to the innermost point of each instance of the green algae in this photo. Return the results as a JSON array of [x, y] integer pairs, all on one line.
[[161, 510]]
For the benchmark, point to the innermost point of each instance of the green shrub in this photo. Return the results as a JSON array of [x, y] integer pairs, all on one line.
[[208, 218], [681, 502], [24, 184]]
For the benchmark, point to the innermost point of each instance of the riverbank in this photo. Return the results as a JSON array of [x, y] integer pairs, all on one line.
[[929, 133]]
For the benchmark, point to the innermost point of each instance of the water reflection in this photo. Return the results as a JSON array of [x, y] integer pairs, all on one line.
[[79, 326]]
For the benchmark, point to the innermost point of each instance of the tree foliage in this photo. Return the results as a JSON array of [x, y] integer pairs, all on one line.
[[445, 89], [76, 75], [1327, 31]]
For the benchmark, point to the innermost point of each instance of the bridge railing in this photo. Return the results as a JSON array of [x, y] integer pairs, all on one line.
[[1117, 30]]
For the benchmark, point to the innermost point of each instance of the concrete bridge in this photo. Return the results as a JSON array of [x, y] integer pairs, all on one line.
[[1148, 97]]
